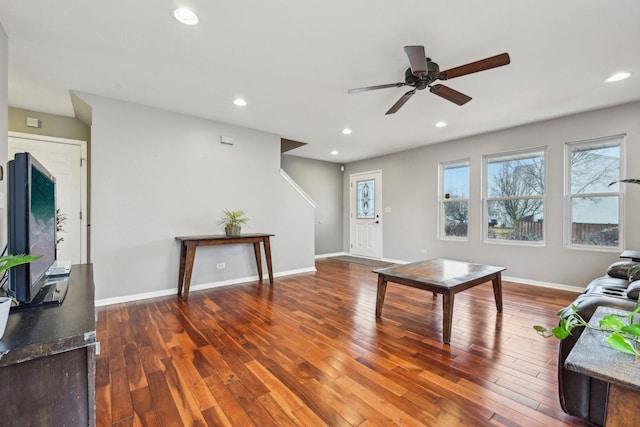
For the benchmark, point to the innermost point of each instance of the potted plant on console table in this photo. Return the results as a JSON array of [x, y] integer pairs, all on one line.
[[232, 222], [6, 262]]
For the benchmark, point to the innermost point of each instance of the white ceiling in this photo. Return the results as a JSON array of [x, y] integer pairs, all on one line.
[[294, 60]]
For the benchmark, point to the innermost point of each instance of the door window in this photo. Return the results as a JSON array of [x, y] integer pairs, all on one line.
[[365, 199]]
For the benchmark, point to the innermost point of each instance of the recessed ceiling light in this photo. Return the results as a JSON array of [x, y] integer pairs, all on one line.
[[240, 102], [441, 124], [186, 16], [346, 131], [617, 77], [334, 153]]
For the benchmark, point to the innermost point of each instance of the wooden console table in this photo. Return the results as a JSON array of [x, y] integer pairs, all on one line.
[[593, 357], [188, 245], [48, 360]]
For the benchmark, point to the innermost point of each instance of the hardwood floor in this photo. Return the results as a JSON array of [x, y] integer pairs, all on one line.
[[310, 352]]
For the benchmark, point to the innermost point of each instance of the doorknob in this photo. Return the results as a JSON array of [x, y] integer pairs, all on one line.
[[376, 222]]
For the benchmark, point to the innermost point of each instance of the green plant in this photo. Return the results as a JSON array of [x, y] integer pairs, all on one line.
[[60, 219], [8, 261], [233, 218], [622, 336]]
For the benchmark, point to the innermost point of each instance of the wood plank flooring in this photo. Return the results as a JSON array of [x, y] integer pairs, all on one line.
[[310, 352]]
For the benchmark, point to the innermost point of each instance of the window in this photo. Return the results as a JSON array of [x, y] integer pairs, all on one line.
[[454, 192], [594, 206], [514, 202]]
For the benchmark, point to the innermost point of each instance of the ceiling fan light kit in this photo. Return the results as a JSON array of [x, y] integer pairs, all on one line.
[[423, 72]]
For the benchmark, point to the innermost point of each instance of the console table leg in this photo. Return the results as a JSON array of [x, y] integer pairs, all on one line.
[[497, 290], [267, 254], [183, 259], [190, 257], [256, 251]]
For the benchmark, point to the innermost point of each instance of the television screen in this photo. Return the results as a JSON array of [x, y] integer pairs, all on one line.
[[32, 231], [42, 223]]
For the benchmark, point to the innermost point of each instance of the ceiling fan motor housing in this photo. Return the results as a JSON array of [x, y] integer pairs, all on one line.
[[423, 80]]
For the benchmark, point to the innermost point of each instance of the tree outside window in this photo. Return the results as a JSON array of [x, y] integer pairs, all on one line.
[[593, 205], [455, 199], [515, 197]]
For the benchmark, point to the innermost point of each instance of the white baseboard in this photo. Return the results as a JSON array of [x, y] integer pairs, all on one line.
[[202, 286], [543, 284], [331, 255], [505, 278]]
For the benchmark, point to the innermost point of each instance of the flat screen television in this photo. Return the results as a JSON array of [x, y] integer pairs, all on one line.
[[31, 220]]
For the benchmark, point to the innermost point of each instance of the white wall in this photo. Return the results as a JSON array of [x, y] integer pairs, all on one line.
[[157, 175], [322, 181], [4, 129], [410, 188]]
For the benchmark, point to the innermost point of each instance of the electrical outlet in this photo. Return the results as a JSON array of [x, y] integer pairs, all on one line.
[[423, 251], [220, 265]]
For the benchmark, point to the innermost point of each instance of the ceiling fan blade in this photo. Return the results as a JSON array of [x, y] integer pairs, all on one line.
[[403, 99], [450, 94], [474, 67], [417, 59], [365, 89]]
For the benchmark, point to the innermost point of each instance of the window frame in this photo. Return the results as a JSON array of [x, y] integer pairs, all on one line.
[[441, 199], [486, 199], [568, 196]]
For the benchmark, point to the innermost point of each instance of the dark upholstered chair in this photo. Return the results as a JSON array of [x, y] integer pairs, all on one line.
[[579, 394]]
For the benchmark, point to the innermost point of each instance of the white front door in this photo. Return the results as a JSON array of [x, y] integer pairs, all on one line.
[[66, 160], [366, 214]]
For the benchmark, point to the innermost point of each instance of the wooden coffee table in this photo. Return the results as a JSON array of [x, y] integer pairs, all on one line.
[[441, 276]]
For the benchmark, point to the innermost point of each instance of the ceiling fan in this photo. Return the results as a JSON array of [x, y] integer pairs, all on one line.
[[423, 72]]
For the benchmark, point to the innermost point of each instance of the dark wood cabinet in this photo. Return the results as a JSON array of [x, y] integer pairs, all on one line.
[[47, 360]]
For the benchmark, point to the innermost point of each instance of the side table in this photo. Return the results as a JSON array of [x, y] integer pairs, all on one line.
[[593, 357]]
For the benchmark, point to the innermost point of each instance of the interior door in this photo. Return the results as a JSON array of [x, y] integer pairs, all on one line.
[[66, 160], [366, 214]]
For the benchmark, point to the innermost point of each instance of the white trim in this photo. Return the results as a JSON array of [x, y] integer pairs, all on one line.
[[298, 188], [45, 138], [442, 166], [543, 284], [504, 278], [202, 286], [353, 178], [485, 199], [396, 261], [621, 140], [332, 255]]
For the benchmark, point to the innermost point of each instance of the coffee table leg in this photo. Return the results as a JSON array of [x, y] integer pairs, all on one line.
[[447, 316], [382, 290], [497, 290]]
